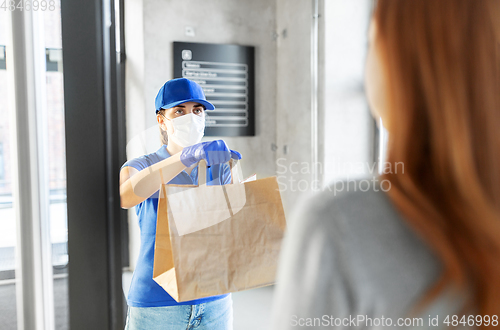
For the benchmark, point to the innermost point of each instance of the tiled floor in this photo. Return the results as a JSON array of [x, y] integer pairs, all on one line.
[[8, 318], [251, 308]]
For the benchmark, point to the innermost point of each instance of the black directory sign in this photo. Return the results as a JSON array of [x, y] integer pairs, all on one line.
[[226, 74]]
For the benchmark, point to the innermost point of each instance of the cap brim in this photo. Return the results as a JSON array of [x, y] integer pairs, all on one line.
[[208, 105]]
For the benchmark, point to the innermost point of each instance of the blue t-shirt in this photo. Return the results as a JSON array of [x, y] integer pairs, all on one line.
[[144, 291]]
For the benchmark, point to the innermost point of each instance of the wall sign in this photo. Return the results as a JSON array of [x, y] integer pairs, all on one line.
[[226, 73]]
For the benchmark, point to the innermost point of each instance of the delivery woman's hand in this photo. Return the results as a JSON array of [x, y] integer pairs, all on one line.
[[214, 152]]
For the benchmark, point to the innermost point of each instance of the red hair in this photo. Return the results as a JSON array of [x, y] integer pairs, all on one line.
[[442, 64]]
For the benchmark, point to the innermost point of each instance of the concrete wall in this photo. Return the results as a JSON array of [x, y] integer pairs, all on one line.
[[220, 21], [151, 28], [294, 162]]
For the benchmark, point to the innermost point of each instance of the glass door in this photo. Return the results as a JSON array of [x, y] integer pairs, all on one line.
[[56, 163], [33, 221], [8, 232]]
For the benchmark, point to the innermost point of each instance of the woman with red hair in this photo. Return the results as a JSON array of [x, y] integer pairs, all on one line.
[[424, 251]]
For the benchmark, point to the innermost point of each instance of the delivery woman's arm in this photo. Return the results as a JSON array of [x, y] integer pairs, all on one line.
[[136, 186]]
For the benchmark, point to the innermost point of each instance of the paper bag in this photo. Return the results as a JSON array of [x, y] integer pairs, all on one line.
[[212, 240]]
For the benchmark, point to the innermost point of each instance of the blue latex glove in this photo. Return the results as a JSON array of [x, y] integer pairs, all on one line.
[[235, 154], [214, 152]]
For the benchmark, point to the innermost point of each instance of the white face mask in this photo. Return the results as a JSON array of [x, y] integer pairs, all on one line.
[[188, 129]]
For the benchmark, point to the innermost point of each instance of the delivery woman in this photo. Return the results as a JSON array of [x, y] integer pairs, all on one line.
[[180, 112]]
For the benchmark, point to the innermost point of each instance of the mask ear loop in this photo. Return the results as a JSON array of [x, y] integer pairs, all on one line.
[[165, 123]]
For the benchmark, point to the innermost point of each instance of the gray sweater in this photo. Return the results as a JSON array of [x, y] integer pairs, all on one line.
[[348, 257]]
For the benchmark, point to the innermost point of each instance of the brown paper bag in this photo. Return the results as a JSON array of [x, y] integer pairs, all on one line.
[[212, 240]]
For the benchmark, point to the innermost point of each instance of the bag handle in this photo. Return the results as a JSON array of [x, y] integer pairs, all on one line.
[[202, 171], [235, 167]]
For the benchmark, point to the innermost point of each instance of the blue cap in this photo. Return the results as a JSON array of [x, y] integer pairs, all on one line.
[[178, 91]]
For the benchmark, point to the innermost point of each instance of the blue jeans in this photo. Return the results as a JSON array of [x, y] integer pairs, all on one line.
[[213, 315]]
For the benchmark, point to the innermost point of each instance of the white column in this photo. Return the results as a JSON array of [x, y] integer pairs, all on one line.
[[26, 65]]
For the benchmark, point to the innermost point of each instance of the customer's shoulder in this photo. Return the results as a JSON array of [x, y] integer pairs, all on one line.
[[350, 196], [348, 204]]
